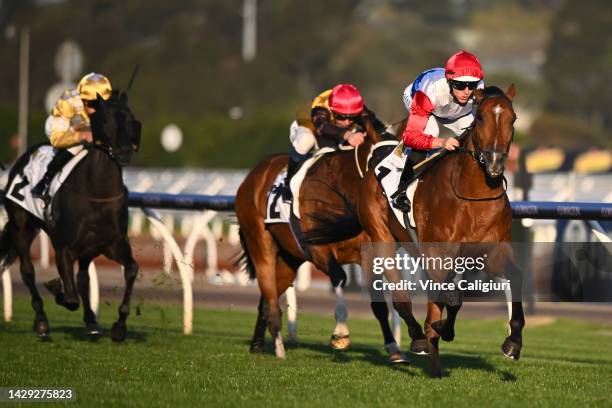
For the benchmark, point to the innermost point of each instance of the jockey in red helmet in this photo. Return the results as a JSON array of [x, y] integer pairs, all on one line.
[[336, 117], [439, 95]]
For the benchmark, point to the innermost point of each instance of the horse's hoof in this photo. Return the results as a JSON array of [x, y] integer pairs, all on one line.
[[396, 356], [54, 286], [436, 374], [440, 327], [512, 349], [118, 332], [340, 342], [419, 346], [93, 329], [256, 348], [41, 328], [71, 305]]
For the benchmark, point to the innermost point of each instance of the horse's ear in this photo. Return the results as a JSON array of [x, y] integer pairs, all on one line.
[[123, 99], [511, 92], [479, 95]]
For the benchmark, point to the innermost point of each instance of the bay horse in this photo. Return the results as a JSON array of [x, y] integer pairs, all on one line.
[[461, 199], [329, 191], [89, 216]]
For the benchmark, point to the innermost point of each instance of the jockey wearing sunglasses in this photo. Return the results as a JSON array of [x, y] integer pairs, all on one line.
[[437, 96], [336, 116]]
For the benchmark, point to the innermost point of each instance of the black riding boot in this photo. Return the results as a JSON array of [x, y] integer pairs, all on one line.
[[41, 190], [399, 198], [295, 160]]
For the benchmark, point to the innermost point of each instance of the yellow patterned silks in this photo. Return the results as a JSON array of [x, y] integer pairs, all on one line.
[[67, 118], [322, 100]]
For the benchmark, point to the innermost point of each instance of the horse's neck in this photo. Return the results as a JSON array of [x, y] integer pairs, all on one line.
[[101, 175]]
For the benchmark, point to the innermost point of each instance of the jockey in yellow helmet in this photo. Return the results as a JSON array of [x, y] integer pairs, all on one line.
[[68, 124]]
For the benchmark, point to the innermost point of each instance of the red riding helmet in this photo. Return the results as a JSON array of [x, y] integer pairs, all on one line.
[[463, 66], [345, 99]]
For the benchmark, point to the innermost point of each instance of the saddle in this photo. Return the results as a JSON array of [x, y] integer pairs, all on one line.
[[19, 189]]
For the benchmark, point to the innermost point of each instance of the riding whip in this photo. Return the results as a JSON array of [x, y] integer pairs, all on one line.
[[133, 77]]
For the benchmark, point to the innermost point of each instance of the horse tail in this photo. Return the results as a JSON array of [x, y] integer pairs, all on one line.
[[8, 253], [244, 258]]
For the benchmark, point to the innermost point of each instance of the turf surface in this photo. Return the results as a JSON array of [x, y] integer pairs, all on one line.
[[565, 363]]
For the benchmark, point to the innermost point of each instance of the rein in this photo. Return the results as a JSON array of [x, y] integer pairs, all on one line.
[[107, 150], [459, 196], [357, 162], [373, 148]]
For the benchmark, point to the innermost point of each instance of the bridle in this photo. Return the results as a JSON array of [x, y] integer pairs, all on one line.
[[478, 154]]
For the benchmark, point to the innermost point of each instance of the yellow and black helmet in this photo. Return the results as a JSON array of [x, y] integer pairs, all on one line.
[[92, 84]]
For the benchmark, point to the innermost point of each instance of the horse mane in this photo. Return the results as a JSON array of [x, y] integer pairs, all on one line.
[[493, 91]]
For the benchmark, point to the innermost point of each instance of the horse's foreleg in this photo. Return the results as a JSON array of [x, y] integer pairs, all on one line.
[[89, 317], [379, 307], [514, 342], [65, 296], [446, 327], [418, 343], [434, 312], [340, 339], [122, 253]]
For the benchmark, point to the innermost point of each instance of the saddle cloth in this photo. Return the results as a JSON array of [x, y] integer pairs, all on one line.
[[19, 191], [388, 172], [278, 211]]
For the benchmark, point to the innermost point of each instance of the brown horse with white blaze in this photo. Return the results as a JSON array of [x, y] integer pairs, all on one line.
[[461, 199]]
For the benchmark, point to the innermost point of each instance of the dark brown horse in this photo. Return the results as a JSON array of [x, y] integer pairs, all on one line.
[[329, 191], [461, 199]]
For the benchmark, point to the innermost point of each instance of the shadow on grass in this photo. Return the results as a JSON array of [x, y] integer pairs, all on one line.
[[562, 359], [452, 361], [80, 334], [355, 353], [449, 361]]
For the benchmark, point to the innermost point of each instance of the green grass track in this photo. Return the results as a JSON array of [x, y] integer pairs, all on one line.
[[565, 363]]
